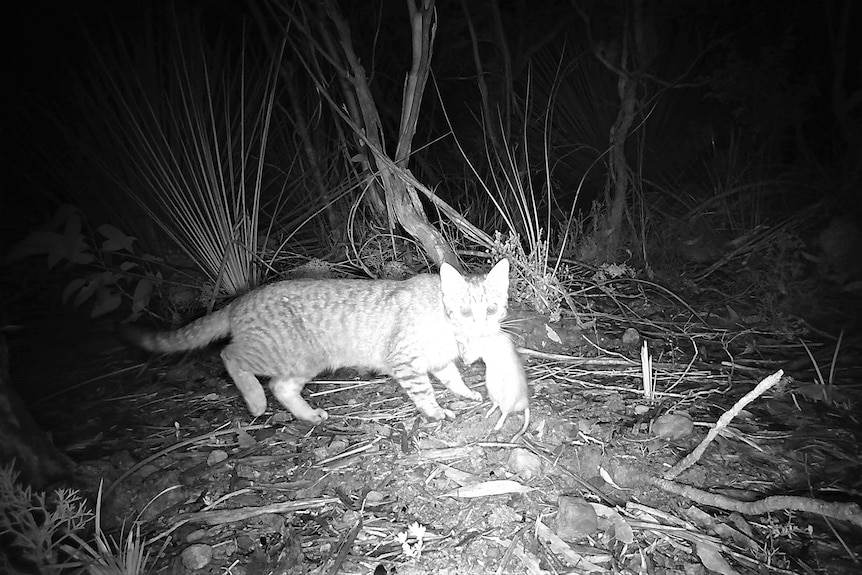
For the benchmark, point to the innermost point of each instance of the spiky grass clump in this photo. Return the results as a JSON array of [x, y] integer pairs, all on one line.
[[43, 532], [129, 557], [188, 127], [34, 526], [522, 204]]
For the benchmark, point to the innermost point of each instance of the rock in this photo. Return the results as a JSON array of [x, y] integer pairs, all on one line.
[[631, 338], [375, 496], [216, 456], [575, 518], [197, 556], [524, 463], [196, 535], [673, 426]]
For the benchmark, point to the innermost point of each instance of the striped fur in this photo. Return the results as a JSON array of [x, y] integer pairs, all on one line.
[[291, 331]]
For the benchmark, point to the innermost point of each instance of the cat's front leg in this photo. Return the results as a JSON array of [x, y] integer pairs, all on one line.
[[451, 378], [419, 390], [287, 390]]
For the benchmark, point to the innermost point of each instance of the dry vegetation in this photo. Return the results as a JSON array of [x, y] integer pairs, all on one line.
[[685, 295]]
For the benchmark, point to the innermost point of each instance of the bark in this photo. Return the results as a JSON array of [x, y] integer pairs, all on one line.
[[402, 200], [326, 40], [22, 441], [636, 52]]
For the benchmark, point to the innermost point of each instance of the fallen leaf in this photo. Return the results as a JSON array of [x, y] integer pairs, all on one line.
[[487, 488]]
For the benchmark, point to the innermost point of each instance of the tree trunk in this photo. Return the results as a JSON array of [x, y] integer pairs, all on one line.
[[619, 173], [636, 51], [21, 440]]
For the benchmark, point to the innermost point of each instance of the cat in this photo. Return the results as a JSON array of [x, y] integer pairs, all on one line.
[[293, 330]]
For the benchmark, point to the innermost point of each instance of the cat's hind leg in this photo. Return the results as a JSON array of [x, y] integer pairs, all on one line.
[[418, 388], [287, 390], [246, 382], [451, 378]]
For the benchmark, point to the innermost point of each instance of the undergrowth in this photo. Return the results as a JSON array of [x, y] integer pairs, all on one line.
[[107, 267], [45, 533]]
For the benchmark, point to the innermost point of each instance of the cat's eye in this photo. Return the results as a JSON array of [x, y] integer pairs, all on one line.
[[492, 309], [466, 312]]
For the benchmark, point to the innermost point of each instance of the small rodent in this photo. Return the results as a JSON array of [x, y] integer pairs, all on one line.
[[505, 378]]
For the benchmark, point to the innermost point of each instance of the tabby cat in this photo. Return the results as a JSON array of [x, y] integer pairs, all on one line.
[[293, 330]]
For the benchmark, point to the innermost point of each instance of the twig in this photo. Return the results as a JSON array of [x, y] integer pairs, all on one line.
[[723, 422], [345, 548], [179, 445], [507, 556], [220, 516], [580, 361], [845, 511]]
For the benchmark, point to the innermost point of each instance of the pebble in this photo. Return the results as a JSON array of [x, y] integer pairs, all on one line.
[[575, 518], [524, 463], [673, 426], [197, 556]]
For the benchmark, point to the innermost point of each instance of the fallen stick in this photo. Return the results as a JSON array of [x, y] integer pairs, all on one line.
[[844, 511], [723, 422]]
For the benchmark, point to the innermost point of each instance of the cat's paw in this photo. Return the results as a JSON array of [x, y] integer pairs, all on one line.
[[437, 413], [256, 405], [315, 416], [475, 396]]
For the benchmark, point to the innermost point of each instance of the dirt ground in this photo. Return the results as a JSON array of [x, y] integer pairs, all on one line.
[[376, 489]]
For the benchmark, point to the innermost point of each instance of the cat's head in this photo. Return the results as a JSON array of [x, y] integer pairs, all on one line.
[[475, 305]]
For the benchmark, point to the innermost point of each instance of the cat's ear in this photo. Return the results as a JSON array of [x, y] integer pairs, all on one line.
[[498, 277], [450, 278]]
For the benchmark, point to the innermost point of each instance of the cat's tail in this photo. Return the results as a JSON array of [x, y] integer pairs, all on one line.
[[197, 334]]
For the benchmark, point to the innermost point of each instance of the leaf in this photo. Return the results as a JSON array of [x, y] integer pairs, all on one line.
[[126, 266], [622, 530], [107, 300], [553, 335], [488, 488], [110, 246], [71, 288], [245, 439], [607, 477], [456, 475], [732, 315], [35, 244], [92, 283], [116, 240], [560, 547], [83, 257], [712, 559], [71, 249], [141, 296]]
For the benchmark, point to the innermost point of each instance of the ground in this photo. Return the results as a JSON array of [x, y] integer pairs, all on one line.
[[376, 489]]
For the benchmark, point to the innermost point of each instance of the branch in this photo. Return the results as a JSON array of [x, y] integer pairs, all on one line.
[[424, 27], [724, 421]]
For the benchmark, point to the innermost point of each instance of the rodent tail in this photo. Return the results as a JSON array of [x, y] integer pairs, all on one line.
[[197, 334], [523, 429]]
